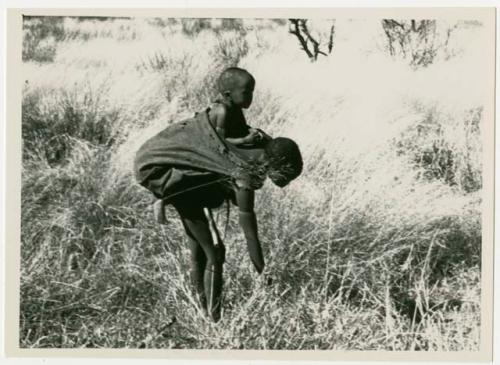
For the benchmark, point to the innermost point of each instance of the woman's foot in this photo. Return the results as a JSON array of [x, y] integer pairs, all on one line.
[[159, 211], [215, 312], [202, 300]]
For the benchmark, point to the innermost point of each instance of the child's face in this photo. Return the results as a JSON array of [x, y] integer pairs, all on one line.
[[242, 93]]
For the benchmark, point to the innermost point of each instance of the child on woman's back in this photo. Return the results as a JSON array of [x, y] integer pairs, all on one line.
[[235, 86]]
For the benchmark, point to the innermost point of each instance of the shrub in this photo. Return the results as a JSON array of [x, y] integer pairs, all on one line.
[[50, 118], [40, 35]]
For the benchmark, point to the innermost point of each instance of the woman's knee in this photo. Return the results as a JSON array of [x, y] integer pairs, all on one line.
[[216, 255], [198, 231], [214, 258]]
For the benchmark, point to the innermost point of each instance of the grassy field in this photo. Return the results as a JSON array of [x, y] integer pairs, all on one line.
[[376, 246]]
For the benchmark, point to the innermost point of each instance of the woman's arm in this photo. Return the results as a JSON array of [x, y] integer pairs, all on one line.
[[248, 222]]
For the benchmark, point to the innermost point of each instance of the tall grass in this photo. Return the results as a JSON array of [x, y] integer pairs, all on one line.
[[376, 246]]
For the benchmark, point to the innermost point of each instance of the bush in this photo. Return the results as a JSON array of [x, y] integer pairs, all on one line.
[[52, 118], [432, 149], [40, 37]]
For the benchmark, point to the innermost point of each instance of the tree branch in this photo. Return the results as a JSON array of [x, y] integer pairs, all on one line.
[[295, 23]]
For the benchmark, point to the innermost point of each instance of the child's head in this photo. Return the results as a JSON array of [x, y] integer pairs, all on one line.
[[285, 161], [236, 85]]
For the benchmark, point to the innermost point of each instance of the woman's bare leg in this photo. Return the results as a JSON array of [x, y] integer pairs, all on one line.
[[198, 264], [198, 231]]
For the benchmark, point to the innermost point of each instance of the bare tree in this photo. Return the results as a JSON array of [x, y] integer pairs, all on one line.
[[416, 40], [308, 43]]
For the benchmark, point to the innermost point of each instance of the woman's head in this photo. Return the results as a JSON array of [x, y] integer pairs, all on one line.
[[284, 160]]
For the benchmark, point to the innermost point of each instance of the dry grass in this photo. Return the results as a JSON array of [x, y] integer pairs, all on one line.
[[376, 246]]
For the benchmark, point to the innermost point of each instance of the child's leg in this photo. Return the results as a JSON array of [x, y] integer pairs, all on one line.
[[197, 229]]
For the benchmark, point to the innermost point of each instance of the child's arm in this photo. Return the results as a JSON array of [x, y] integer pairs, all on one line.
[[249, 138], [221, 120], [248, 222]]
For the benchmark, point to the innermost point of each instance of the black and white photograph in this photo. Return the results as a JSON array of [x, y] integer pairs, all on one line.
[[254, 183]]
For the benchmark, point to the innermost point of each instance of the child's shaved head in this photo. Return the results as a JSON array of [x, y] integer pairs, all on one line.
[[231, 77]]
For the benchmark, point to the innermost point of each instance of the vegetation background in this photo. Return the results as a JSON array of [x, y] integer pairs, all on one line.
[[376, 246]]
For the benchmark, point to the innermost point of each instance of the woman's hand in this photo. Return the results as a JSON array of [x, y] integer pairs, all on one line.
[[268, 279], [265, 279]]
